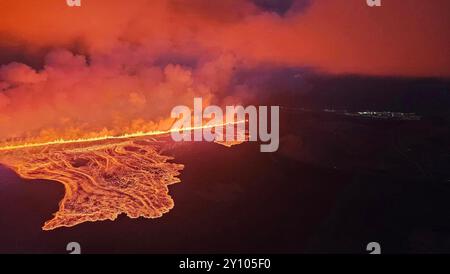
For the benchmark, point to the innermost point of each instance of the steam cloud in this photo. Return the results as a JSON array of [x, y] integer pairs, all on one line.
[[116, 66]]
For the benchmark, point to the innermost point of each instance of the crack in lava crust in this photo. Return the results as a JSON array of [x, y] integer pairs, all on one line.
[[101, 180]]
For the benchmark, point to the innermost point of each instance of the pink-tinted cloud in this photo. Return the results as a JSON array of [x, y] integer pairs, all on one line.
[[116, 66], [404, 37]]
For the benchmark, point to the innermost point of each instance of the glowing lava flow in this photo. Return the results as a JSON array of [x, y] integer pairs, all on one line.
[[101, 181], [103, 177]]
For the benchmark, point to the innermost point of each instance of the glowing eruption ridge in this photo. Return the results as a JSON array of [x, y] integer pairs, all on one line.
[[103, 177], [104, 138]]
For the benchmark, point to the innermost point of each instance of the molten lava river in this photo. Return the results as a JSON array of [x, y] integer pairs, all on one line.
[[101, 180]]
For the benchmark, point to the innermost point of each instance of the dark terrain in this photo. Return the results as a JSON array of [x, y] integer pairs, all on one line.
[[336, 184]]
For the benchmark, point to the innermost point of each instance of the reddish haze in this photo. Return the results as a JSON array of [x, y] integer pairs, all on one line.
[[407, 37], [126, 73]]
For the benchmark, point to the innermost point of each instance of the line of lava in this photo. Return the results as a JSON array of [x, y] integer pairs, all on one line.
[[110, 137], [103, 177]]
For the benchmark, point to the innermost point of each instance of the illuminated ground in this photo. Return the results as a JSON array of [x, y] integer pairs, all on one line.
[[102, 180], [335, 184], [103, 176]]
